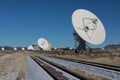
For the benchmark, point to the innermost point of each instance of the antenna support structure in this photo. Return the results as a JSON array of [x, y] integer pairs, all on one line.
[[80, 44]]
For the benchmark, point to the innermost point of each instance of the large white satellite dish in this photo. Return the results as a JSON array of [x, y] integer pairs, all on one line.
[[88, 27], [43, 43]]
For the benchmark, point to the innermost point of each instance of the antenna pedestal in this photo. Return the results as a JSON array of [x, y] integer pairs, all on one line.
[[80, 44]]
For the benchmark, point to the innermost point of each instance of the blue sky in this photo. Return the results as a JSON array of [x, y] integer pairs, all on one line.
[[22, 22]]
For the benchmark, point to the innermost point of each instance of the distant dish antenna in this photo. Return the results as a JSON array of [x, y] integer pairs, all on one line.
[[88, 28], [15, 48], [3, 49], [55, 48], [31, 47], [43, 43], [23, 48]]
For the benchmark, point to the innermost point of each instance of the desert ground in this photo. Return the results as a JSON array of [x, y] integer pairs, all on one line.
[[13, 63]]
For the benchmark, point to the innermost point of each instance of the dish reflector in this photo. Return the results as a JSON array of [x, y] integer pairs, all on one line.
[[88, 26], [15, 48], [30, 47], [23, 48], [43, 43], [3, 49]]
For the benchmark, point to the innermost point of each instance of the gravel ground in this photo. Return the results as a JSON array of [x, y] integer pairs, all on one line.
[[4, 56], [11, 66]]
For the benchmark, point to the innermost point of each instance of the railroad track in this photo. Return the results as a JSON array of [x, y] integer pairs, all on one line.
[[51, 69], [96, 69], [105, 66]]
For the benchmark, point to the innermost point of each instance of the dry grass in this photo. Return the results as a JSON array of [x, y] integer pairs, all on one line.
[[22, 72], [14, 63]]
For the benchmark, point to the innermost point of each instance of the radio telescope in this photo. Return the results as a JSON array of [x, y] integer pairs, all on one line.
[[23, 48], [43, 43], [88, 28], [31, 47], [15, 48], [3, 49]]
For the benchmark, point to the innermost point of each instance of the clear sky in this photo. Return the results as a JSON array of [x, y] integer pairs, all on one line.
[[22, 22]]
